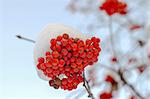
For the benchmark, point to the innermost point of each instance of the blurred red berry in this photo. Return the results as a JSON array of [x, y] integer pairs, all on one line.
[[109, 79], [105, 95], [132, 97], [114, 59], [135, 27], [141, 68]]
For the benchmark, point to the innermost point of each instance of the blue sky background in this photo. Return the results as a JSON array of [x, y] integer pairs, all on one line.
[[18, 78]]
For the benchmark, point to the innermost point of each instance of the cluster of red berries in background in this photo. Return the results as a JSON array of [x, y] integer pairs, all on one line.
[[66, 60], [114, 6]]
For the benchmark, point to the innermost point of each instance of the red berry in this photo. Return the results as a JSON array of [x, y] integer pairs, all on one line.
[[48, 58], [67, 69], [50, 75], [48, 64], [80, 43], [41, 60], [61, 63], [47, 53], [59, 38], [58, 48], [67, 74], [70, 79], [105, 95], [49, 70], [70, 40], [38, 66], [97, 40], [73, 65], [141, 68], [83, 55], [64, 42], [64, 81], [53, 42], [114, 59], [68, 62], [89, 55], [80, 66], [78, 61], [72, 59], [75, 82], [80, 50], [55, 62], [53, 47], [56, 72], [132, 97], [55, 67], [43, 66], [96, 45], [69, 55], [51, 82], [110, 79], [74, 46], [65, 36], [88, 42], [64, 52], [61, 69], [75, 70], [68, 47], [75, 54], [80, 78], [58, 82], [55, 54], [93, 39], [65, 58]]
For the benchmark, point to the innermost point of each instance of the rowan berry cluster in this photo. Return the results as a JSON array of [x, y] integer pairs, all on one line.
[[114, 6], [66, 60]]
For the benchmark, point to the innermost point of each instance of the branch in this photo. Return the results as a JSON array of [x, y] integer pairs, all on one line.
[[24, 38], [129, 85], [87, 86]]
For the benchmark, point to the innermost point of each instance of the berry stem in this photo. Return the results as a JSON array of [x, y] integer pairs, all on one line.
[[111, 37], [24, 38], [87, 86]]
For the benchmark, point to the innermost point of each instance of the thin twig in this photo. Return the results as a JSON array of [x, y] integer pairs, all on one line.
[[130, 86], [24, 38], [111, 35], [87, 86]]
